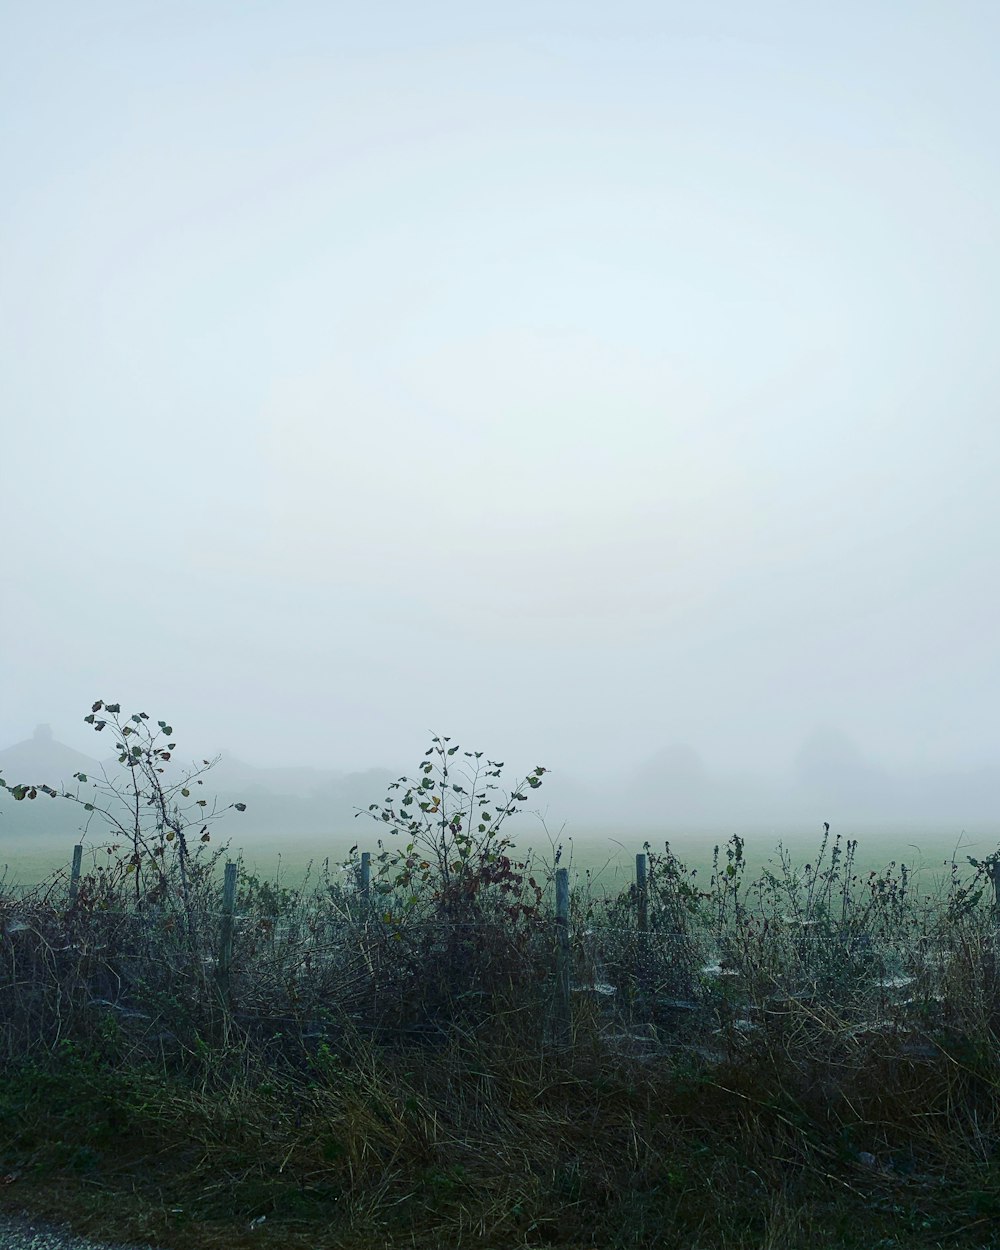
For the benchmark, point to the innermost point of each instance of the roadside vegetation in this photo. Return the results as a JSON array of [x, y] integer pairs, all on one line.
[[407, 1049]]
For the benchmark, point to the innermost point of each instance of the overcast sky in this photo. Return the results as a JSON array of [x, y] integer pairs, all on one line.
[[571, 378]]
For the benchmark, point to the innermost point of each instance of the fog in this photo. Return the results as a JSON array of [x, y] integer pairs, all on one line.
[[611, 389], [670, 795]]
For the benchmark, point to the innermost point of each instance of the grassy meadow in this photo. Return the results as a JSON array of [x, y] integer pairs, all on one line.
[[598, 859]]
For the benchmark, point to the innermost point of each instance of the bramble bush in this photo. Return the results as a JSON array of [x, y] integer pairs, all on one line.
[[462, 909]]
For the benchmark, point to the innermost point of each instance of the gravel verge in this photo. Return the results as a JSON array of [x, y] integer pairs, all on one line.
[[25, 1233]]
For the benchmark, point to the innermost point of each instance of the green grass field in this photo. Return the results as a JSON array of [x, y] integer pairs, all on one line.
[[609, 859]]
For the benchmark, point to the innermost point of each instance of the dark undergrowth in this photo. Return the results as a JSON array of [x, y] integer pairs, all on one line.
[[421, 1058], [484, 1141]]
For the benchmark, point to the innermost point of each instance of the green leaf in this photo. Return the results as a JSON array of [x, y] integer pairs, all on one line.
[[240, 807], [186, 792]]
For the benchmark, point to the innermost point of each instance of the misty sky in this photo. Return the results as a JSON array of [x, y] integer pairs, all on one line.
[[571, 378]]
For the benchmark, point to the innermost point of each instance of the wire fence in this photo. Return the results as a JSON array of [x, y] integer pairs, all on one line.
[[641, 975]]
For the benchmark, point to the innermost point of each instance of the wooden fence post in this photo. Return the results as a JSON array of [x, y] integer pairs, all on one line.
[[74, 873], [563, 1020], [225, 964], [642, 893], [992, 866], [643, 971]]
